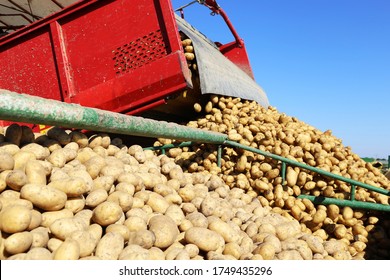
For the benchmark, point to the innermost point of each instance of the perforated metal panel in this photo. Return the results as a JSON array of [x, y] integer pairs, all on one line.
[[139, 52]]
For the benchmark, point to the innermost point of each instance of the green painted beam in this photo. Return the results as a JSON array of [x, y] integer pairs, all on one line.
[[308, 167], [345, 202], [170, 146], [36, 110]]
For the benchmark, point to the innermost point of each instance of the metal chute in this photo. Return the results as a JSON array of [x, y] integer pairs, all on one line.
[[217, 74]]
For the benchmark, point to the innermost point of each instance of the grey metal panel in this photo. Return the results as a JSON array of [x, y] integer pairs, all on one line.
[[218, 75]]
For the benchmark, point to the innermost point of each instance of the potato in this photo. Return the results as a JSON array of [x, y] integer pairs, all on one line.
[[319, 216], [96, 197], [13, 134], [197, 219], [75, 204], [51, 144], [333, 211], [334, 246], [135, 223], [40, 152], [94, 165], [36, 220], [96, 232], [266, 250], [107, 213], [15, 218], [228, 233], [60, 157], [54, 243], [72, 187], [287, 230], [315, 243], [274, 241], [121, 229], [49, 217], [68, 250], [205, 239], [58, 174], [40, 237], [21, 158], [80, 138], [182, 255], [260, 185], [18, 242], [347, 213], [291, 177], [110, 246], [123, 199], [136, 252], [3, 185], [144, 238], [208, 206], [172, 252], [84, 154], [95, 141], [112, 170], [64, 227], [60, 135], [340, 231], [175, 213], [157, 202], [232, 249], [103, 182], [164, 229], [44, 197], [79, 173], [35, 172], [39, 253], [18, 257], [86, 241], [84, 215], [9, 148], [9, 196], [7, 162], [16, 179], [289, 255]]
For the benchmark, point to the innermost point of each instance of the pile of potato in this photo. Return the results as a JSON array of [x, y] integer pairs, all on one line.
[[189, 52], [365, 233], [64, 195]]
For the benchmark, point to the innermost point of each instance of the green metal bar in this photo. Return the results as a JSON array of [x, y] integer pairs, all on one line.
[[170, 146], [37, 110], [344, 202], [308, 167], [353, 192], [284, 168], [219, 156]]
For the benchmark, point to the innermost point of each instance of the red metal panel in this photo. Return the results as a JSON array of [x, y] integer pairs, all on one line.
[[238, 55], [65, 77], [115, 55], [30, 67], [141, 86]]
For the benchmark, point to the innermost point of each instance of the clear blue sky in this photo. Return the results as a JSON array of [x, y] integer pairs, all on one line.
[[326, 62]]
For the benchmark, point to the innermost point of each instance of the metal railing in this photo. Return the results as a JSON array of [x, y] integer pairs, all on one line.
[[351, 202]]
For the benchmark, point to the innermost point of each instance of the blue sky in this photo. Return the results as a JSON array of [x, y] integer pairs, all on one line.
[[326, 62]]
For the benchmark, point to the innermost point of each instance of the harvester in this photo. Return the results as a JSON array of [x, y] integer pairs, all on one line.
[[123, 56]]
